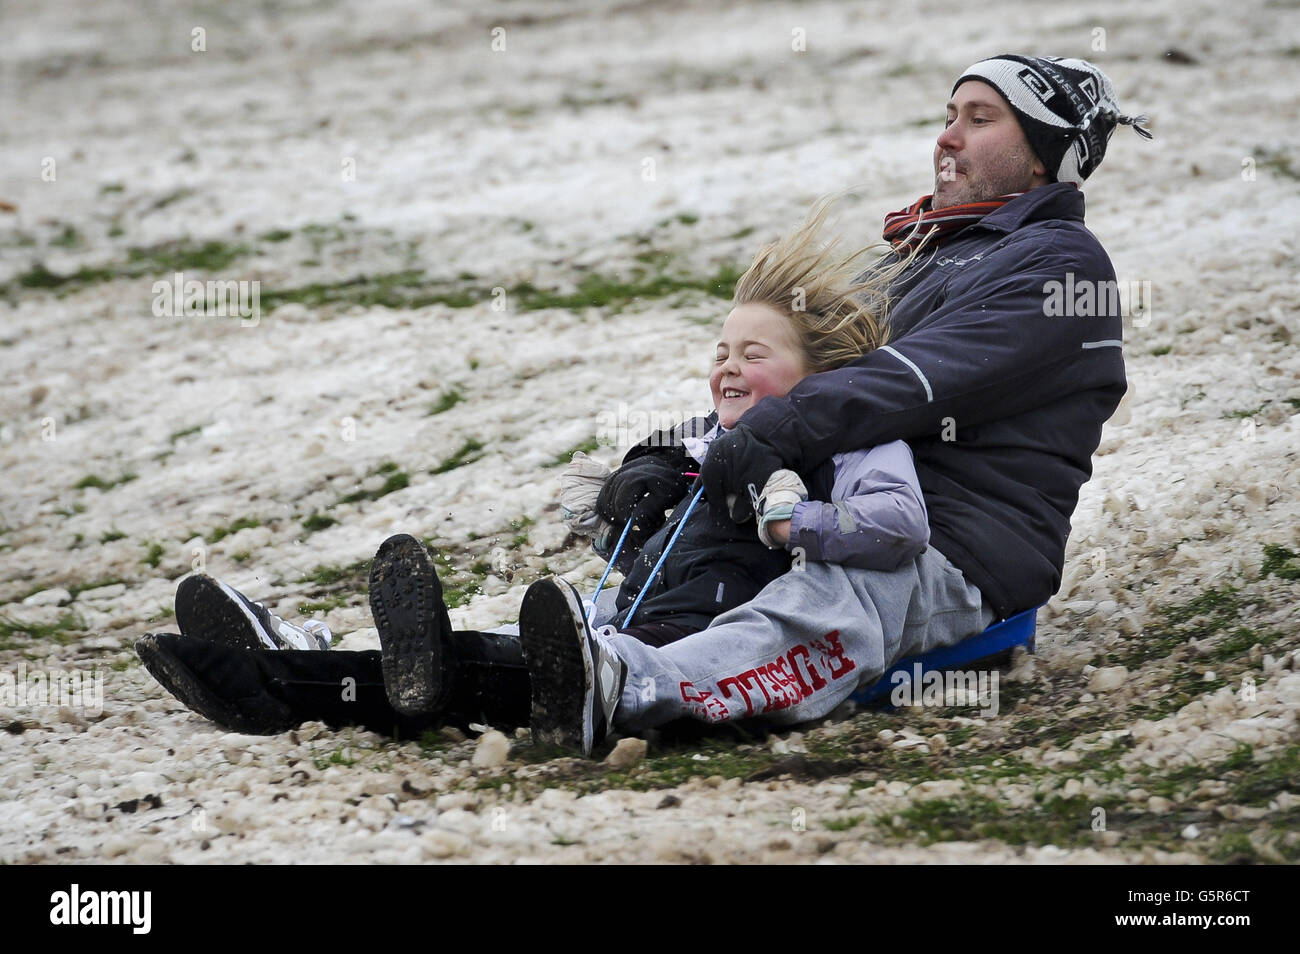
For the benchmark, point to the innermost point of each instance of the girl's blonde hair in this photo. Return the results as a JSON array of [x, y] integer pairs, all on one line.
[[835, 317]]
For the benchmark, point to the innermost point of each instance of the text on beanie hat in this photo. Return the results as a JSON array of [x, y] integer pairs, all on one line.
[[1066, 107]]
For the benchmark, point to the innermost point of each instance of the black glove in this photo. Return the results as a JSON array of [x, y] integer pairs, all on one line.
[[738, 459], [641, 490]]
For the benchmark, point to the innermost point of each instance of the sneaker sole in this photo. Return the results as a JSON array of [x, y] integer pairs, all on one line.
[[207, 609], [552, 631], [177, 678], [406, 602]]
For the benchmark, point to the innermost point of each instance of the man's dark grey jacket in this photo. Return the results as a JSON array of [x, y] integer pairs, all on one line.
[[1000, 396]]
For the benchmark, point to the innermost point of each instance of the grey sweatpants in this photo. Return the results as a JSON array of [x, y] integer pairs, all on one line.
[[802, 646]]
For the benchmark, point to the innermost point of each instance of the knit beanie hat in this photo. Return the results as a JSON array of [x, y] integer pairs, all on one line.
[[1066, 107]]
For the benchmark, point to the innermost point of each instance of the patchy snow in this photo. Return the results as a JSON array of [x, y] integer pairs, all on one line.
[[530, 165]]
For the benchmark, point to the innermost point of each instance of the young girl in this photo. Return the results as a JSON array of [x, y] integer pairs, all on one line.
[[797, 311]]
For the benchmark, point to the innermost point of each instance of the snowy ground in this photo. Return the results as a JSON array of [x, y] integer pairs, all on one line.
[[606, 146]]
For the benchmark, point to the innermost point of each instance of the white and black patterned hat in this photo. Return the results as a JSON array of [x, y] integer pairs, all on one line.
[[1066, 107]]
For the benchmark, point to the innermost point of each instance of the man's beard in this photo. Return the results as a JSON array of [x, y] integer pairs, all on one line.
[[1013, 175]]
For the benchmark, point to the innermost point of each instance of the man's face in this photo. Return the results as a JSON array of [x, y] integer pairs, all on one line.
[[982, 152]]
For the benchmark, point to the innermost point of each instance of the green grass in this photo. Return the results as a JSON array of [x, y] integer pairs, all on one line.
[[318, 521], [460, 586], [175, 195], [395, 480], [275, 235], [307, 608], [337, 757], [153, 554], [59, 630], [405, 289], [354, 575], [184, 255], [1278, 161], [185, 432], [1200, 618], [38, 276], [1258, 783], [521, 526], [76, 589], [1214, 618], [1172, 783], [94, 480], [240, 523], [1242, 415], [564, 457], [666, 769], [446, 401], [155, 260], [843, 824], [602, 291], [108, 536], [1280, 562], [68, 238], [466, 454], [1161, 350], [412, 288]]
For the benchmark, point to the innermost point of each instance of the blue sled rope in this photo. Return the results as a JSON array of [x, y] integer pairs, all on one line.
[[663, 556], [591, 616]]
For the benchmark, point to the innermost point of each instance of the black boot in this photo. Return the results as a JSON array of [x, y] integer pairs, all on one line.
[[338, 688], [491, 684], [268, 691], [418, 664], [430, 670]]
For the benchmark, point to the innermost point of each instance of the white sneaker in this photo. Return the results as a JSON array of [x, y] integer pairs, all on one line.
[[208, 609]]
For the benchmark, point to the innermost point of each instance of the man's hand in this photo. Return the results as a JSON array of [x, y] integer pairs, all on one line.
[[641, 490], [738, 460]]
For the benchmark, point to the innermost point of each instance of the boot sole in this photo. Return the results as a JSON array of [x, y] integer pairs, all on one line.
[[204, 610], [178, 679], [406, 602], [560, 670]]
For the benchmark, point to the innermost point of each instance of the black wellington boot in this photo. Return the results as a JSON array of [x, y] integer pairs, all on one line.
[[487, 683], [490, 686], [432, 671], [268, 691]]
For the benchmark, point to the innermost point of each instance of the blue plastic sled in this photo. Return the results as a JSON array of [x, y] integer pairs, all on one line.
[[998, 640]]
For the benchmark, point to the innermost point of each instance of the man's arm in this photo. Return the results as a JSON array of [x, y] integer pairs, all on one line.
[[990, 351]]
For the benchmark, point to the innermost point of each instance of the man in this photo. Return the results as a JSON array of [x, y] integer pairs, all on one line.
[[1001, 400]]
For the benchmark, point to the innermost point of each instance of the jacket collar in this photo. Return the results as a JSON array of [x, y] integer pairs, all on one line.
[[697, 445], [1057, 200]]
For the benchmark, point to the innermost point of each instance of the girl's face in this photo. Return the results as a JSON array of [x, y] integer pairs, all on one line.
[[758, 356]]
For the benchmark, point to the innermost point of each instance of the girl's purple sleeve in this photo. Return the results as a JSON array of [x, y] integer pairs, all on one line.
[[877, 518]]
